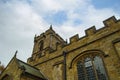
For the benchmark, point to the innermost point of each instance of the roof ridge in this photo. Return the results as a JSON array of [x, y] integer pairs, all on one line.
[[34, 69], [27, 64]]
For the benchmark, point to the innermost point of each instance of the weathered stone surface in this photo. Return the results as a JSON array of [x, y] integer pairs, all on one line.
[[96, 41], [57, 60]]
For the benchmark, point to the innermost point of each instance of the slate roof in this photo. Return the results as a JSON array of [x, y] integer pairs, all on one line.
[[30, 69]]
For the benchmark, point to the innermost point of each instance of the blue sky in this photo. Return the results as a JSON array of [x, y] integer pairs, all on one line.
[[56, 18], [106, 3], [20, 20]]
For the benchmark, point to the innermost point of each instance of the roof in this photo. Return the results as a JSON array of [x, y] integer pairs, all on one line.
[[30, 69]]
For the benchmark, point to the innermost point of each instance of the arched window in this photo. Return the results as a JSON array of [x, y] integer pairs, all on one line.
[[41, 45], [90, 74], [81, 74], [91, 69], [100, 70]]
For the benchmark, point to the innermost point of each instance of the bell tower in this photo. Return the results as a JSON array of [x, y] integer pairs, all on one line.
[[45, 43]]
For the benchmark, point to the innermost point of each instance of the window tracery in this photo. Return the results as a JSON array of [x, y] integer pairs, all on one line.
[[91, 68]]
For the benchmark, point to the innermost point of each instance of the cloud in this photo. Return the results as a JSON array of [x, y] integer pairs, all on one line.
[[86, 18], [20, 20], [18, 25]]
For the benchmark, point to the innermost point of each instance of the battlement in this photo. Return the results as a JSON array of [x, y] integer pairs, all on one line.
[[90, 31], [50, 32], [36, 38], [54, 44], [74, 38], [110, 22]]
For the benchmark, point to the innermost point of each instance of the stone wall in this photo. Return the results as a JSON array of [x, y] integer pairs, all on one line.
[[104, 41], [12, 71]]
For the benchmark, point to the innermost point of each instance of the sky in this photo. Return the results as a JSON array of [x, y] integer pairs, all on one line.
[[20, 20]]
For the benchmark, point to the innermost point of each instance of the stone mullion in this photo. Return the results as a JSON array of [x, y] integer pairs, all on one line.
[[85, 74], [92, 57], [105, 67]]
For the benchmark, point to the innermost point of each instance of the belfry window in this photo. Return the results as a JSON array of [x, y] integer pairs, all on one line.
[[41, 45], [91, 69]]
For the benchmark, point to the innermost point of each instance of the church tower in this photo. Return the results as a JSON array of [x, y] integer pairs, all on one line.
[[45, 43]]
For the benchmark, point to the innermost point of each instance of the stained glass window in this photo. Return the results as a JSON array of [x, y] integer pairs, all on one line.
[[91, 69], [81, 75], [100, 68]]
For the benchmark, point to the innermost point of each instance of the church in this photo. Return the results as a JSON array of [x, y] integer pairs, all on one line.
[[95, 56]]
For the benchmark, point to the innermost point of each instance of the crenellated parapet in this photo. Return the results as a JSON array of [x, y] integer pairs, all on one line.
[[91, 34], [36, 38], [110, 21], [53, 43], [90, 31], [74, 38], [110, 25]]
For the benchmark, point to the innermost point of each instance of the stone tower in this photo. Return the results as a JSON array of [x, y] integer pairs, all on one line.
[[45, 43]]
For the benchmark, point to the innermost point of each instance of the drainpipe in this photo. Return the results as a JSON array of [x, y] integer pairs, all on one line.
[[65, 76]]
